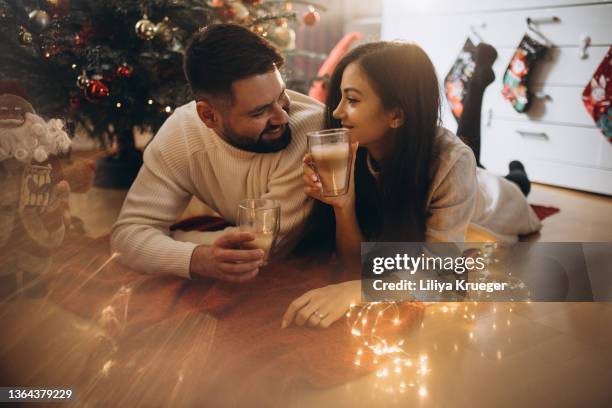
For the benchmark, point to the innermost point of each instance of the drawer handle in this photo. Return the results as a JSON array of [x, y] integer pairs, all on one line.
[[532, 24], [536, 135], [542, 20]]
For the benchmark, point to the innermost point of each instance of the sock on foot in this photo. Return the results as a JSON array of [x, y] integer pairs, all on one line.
[[518, 175]]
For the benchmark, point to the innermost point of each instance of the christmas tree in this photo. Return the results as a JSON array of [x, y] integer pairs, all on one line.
[[115, 65]]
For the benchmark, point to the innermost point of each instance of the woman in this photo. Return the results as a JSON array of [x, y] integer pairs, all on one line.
[[412, 181]]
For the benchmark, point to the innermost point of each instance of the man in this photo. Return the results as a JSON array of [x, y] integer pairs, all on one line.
[[244, 136]]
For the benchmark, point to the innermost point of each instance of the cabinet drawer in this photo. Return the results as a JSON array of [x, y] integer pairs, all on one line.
[[504, 29], [562, 144], [564, 175], [605, 158], [470, 6], [562, 105]]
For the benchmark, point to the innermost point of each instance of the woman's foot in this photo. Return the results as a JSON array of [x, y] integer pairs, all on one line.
[[518, 175]]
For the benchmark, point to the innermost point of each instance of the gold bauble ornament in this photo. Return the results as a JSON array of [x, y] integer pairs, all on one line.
[[25, 37], [163, 31], [145, 29], [283, 36], [83, 80], [240, 11], [39, 19]]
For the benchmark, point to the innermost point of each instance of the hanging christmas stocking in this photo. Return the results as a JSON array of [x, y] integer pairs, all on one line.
[[597, 95], [516, 78], [457, 80]]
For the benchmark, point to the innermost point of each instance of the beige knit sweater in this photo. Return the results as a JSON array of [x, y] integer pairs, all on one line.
[[188, 159]]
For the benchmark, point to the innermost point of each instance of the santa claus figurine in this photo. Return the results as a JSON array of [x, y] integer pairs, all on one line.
[[33, 193]]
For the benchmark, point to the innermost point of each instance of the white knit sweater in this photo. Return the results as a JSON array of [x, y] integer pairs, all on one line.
[[188, 159]]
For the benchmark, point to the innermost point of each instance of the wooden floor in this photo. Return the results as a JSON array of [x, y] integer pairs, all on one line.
[[584, 217], [495, 354]]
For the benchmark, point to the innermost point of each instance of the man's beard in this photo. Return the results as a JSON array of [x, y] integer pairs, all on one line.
[[259, 145]]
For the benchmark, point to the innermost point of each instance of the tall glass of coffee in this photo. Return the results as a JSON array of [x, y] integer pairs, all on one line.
[[262, 218], [330, 150]]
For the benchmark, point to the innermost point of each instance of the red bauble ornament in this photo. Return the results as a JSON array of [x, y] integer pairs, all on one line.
[[311, 18], [124, 71], [96, 90], [78, 40], [227, 14]]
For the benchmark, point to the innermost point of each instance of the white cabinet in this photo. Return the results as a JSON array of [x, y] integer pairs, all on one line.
[[557, 140]]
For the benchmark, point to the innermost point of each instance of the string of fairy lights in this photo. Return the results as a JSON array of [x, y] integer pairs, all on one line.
[[390, 356]]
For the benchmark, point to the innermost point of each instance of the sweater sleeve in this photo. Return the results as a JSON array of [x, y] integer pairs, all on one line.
[[454, 198], [155, 200]]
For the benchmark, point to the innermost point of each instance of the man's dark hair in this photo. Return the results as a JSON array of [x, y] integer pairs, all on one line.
[[220, 54]]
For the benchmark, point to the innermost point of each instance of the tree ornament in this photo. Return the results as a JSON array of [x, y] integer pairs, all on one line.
[[79, 41], [58, 7], [145, 29], [240, 11], [311, 17], [124, 71], [258, 29], [25, 37], [163, 31], [82, 80], [215, 3], [39, 19], [227, 14], [283, 36], [96, 90]]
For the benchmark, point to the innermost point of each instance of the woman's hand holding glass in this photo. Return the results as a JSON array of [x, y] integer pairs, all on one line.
[[314, 187]]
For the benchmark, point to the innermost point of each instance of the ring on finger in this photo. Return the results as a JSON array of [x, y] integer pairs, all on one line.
[[320, 315]]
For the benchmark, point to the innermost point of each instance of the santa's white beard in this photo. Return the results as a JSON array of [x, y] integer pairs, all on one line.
[[34, 140]]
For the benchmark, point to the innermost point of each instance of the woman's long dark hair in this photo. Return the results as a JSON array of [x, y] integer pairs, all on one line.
[[394, 207]]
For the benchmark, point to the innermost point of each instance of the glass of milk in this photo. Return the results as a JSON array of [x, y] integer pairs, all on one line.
[[262, 218], [330, 150]]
